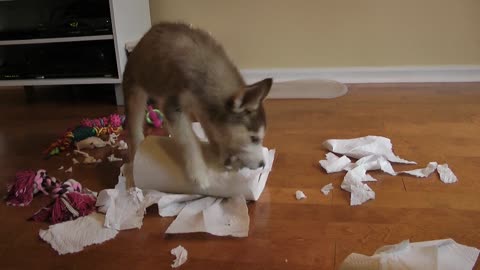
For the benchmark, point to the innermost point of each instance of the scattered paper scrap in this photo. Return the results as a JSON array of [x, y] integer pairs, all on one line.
[[446, 174], [90, 143], [112, 138], [69, 170], [360, 194], [434, 255], [327, 188], [333, 163], [122, 145], [123, 210], [376, 162], [75, 161], [181, 256], [60, 168], [169, 205], [91, 160], [113, 158], [73, 236], [68, 154], [300, 195], [423, 172], [365, 146], [217, 216]]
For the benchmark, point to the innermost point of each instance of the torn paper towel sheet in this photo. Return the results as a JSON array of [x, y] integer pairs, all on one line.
[[122, 145], [123, 209], [365, 146], [217, 216], [326, 189], [376, 162], [113, 158], [300, 195], [446, 174], [60, 168], [361, 193], [91, 160], [423, 172], [334, 164], [69, 170], [430, 255], [112, 139], [75, 161], [195, 213], [169, 205], [73, 236], [353, 183], [181, 255]]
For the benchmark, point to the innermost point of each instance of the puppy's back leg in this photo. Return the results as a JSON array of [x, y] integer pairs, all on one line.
[[135, 99]]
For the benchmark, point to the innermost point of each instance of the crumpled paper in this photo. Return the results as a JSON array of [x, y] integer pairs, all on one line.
[[217, 216], [446, 174], [443, 254], [334, 164], [299, 195], [72, 236], [373, 153], [365, 146], [113, 158], [123, 209], [423, 172], [327, 188], [181, 255]]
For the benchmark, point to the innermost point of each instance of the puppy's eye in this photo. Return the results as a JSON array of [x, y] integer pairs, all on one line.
[[255, 139]]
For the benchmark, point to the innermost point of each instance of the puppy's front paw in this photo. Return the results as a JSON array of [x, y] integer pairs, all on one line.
[[199, 175], [200, 178]]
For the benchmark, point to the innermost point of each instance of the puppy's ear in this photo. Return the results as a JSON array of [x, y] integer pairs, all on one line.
[[250, 98]]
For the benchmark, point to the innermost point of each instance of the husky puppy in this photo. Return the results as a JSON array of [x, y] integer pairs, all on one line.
[[190, 74]]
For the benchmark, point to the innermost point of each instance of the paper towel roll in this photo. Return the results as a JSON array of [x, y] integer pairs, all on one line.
[[159, 165]]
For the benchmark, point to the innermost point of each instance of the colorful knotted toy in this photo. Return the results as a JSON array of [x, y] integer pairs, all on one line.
[[70, 201], [88, 128]]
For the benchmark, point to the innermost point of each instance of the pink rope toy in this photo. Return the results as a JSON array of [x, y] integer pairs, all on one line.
[[70, 200], [113, 120], [27, 184]]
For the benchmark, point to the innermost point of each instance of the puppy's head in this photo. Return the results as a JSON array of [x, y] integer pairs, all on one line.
[[239, 136]]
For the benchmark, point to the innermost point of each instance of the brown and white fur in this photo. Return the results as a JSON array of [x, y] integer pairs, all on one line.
[[190, 74]]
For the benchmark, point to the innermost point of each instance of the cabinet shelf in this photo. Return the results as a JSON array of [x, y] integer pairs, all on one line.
[[54, 40], [63, 81]]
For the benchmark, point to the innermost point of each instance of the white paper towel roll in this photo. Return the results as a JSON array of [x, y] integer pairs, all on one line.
[[159, 165]]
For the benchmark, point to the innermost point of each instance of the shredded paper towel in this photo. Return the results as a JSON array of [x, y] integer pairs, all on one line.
[[443, 254], [373, 153]]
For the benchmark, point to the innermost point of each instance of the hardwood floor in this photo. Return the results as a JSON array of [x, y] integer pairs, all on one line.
[[426, 122]]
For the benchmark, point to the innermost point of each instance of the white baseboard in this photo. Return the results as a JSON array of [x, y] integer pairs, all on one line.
[[403, 74]]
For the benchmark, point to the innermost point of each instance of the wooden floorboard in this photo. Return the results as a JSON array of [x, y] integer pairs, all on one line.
[[426, 122]]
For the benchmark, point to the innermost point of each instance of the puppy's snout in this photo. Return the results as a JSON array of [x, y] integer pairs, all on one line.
[[261, 164]]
